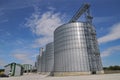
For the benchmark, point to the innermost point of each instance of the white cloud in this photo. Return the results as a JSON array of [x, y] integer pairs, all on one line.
[[23, 57], [2, 63], [42, 41], [114, 34], [51, 8], [14, 4], [1, 12], [110, 51], [103, 19], [3, 21], [44, 25]]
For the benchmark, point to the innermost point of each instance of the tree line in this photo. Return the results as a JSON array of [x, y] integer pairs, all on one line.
[[116, 67]]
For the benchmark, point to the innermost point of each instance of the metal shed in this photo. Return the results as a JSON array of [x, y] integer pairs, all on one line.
[[13, 69], [27, 68]]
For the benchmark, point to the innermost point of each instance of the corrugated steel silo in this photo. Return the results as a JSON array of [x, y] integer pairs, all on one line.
[[38, 63], [49, 57], [76, 50], [43, 61]]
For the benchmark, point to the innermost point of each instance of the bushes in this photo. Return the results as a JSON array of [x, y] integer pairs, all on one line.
[[116, 67], [1, 71]]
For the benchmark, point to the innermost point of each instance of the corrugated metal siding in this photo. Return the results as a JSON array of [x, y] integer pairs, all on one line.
[[27, 67], [40, 64], [7, 69], [17, 70], [49, 57], [73, 48], [43, 62]]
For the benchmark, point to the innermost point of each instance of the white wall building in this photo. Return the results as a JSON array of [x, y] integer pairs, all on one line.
[[13, 69]]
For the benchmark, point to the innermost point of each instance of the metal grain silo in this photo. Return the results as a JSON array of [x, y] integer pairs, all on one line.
[[76, 50], [38, 63], [49, 57], [43, 62]]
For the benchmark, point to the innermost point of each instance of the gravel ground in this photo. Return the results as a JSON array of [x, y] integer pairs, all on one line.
[[82, 77]]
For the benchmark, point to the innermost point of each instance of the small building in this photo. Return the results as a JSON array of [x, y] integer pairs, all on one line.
[[27, 68], [13, 69]]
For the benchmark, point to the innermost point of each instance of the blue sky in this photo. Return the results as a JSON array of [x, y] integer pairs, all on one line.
[[26, 25]]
